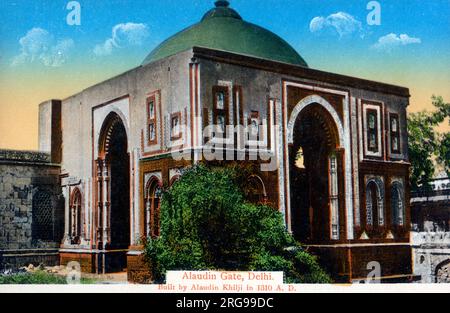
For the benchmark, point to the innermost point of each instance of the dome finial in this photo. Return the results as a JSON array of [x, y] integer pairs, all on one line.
[[222, 3]]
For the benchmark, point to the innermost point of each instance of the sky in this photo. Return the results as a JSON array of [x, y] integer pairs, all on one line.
[[43, 56]]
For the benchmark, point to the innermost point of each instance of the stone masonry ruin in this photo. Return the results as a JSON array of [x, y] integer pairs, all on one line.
[[31, 215]]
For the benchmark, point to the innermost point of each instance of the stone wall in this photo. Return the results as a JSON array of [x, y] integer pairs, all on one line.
[[430, 210], [31, 217], [432, 256]]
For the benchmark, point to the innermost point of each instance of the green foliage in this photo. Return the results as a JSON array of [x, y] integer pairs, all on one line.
[[422, 146], [36, 278], [426, 144], [207, 225], [444, 152]]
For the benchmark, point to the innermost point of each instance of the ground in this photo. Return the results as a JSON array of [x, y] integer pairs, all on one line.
[[59, 272]]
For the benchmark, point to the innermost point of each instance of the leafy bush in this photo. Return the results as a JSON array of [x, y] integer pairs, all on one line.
[[207, 225], [36, 278]]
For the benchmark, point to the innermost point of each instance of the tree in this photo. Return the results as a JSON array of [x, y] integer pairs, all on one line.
[[426, 145], [207, 225], [423, 143], [444, 152]]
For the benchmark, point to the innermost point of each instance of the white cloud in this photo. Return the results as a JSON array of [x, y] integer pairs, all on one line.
[[129, 34], [391, 41], [59, 52], [317, 24], [341, 22], [38, 45]]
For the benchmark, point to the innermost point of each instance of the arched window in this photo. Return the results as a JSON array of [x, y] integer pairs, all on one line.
[[43, 219], [397, 204], [374, 203], [152, 208], [174, 180], [75, 216], [255, 191]]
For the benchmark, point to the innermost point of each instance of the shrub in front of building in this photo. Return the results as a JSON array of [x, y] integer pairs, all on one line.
[[35, 278], [206, 224]]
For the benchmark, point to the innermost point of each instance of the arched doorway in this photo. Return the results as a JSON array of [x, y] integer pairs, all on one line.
[[443, 273], [316, 176], [113, 192]]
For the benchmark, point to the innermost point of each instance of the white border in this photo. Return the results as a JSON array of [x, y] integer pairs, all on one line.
[[304, 289]]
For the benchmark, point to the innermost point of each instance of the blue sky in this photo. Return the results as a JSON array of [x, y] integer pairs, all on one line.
[[42, 57], [289, 18]]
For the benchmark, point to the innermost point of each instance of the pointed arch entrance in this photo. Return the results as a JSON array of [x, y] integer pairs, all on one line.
[[316, 163], [113, 194]]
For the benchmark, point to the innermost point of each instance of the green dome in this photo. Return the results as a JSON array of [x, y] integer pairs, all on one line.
[[222, 28]]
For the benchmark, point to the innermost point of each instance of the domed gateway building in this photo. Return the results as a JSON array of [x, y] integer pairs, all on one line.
[[328, 151]]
